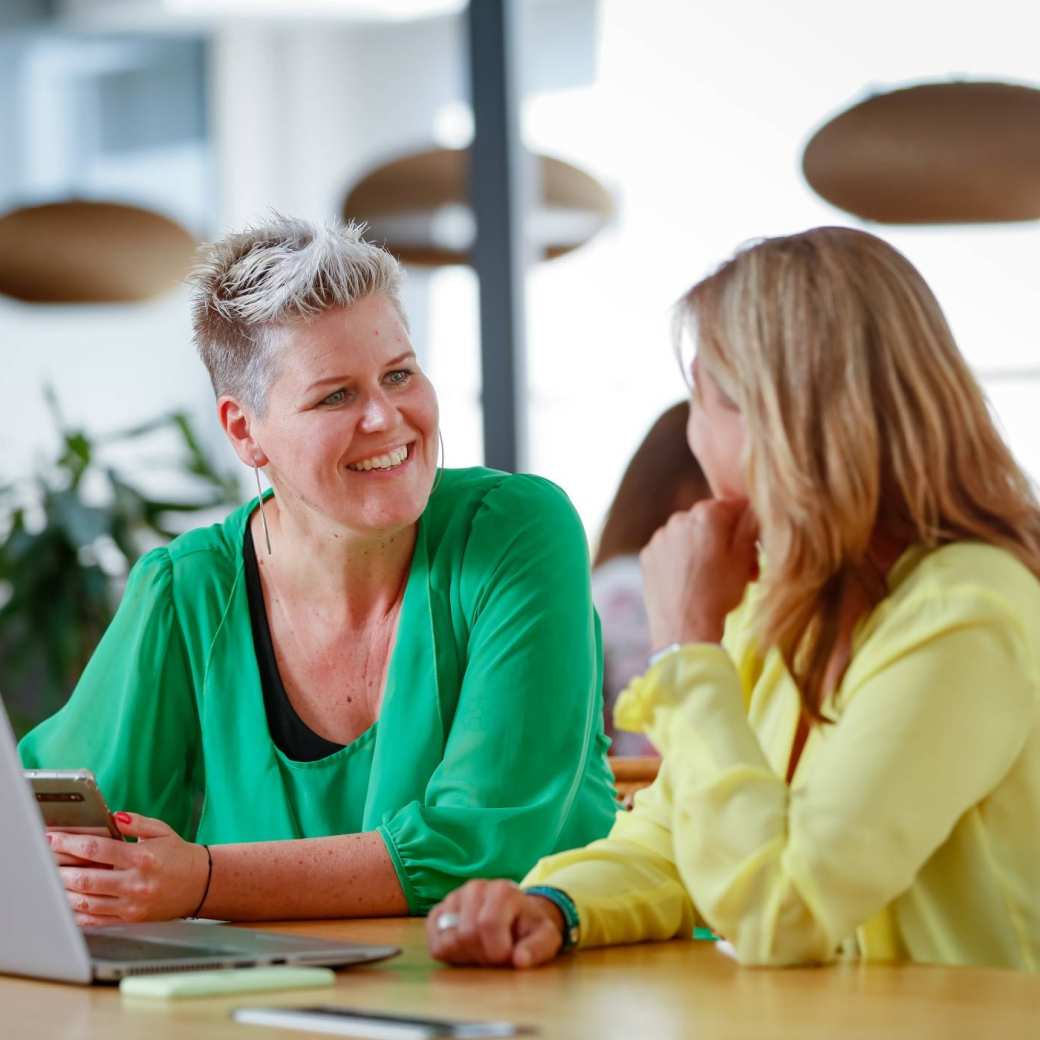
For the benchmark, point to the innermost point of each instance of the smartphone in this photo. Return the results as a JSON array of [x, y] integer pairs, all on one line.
[[70, 800], [372, 1025]]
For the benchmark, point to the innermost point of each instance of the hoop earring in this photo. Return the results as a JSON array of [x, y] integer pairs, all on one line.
[[440, 468], [263, 514]]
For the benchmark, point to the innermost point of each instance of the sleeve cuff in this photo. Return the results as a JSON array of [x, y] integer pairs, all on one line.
[[414, 906], [649, 701]]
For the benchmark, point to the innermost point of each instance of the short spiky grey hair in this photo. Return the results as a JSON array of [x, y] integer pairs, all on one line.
[[251, 284]]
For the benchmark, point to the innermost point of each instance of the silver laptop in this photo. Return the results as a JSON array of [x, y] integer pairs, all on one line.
[[40, 937]]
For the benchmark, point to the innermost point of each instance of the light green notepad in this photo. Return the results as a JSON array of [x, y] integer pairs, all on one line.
[[175, 985]]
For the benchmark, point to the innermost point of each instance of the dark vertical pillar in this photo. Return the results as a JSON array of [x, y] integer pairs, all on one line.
[[27, 14], [499, 192]]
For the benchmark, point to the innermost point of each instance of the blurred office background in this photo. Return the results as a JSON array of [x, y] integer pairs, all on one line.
[[693, 116], [690, 117]]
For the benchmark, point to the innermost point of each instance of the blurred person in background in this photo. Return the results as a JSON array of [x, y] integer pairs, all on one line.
[[362, 688], [850, 740], [662, 478]]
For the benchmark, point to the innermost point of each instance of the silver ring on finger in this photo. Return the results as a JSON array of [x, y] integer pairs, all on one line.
[[447, 922]]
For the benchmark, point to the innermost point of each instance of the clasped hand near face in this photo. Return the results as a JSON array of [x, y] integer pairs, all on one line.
[[696, 569], [157, 878]]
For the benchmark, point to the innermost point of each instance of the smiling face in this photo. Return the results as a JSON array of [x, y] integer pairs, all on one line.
[[717, 435], [349, 429]]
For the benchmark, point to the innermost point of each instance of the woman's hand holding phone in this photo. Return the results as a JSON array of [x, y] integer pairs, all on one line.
[[108, 881], [71, 801]]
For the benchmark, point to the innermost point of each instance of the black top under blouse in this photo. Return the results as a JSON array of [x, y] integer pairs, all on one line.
[[288, 731]]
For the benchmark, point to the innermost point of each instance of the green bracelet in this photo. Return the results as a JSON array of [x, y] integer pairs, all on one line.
[[563, 903]]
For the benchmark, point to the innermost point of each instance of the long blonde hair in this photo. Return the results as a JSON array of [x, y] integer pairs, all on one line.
[[862, 418]]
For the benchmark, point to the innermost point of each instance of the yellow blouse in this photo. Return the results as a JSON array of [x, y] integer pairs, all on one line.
[[911, 828]]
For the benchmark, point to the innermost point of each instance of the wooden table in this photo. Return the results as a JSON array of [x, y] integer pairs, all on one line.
[[655, 991]]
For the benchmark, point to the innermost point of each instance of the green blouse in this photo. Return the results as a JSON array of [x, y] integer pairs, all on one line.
[[488, 752]]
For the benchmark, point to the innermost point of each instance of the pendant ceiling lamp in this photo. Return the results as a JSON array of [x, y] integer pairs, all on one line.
[[938, 153], [418, 207], [90, 252]]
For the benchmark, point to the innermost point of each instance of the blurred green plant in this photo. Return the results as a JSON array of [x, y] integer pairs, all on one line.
[[56, 597]]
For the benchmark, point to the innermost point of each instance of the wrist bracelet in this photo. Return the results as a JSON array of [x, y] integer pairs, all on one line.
[[563, 903], [661, 654], [205, 892]]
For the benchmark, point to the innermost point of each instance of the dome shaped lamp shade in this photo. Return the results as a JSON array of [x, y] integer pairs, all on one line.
[[90, 252], [418, 207], [938, 153]]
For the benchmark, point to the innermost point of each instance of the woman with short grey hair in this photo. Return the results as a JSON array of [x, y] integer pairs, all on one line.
[[377, 680]]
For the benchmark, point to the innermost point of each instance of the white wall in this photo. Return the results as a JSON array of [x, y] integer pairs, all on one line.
[[111, 367], [698, 119]]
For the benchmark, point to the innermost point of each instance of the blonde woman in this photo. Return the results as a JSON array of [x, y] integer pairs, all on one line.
[[851, 740]]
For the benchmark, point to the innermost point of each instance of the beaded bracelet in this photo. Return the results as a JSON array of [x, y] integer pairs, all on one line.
[[567, 908]]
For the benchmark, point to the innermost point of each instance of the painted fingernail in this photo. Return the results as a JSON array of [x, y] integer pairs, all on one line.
[[123, 817]]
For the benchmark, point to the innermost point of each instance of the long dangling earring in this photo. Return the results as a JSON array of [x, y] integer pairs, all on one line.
[[440, 468], [263, 514]]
